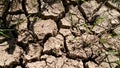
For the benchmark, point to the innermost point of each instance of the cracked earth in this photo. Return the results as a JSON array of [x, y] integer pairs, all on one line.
[[59, 34]]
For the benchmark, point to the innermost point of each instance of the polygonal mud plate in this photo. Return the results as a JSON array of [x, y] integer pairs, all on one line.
[[45, 27]]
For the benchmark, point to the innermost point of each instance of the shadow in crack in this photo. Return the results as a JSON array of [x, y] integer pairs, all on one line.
[[12, 45]]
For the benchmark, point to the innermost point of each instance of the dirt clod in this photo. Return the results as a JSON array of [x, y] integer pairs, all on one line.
[[59, 34]]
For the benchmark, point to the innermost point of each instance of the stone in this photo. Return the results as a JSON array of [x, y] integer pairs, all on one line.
[[112, 58], [115, 21], [109, 42], [2, 38], [24, 37], [65, 22], [74, 46], [83, 46], [89, 7], [91, 65], [117, 30], [102, 10], [101, 26], [18, 67], [9, 60], [63, 62], [73, 64], [65, 32], [73, 17], [33, 52], [98, 29], [37, 64], [54, 45], [4, 43], [44, 27], [104, 65], [54, 10], [114, 4], [60, 62], [72, 42], [101, 57], [89, 38], [50, 61], [113, 14], [16, 5], [32, 6]]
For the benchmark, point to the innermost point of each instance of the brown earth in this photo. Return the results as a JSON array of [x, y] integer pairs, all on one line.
[[60, 34]]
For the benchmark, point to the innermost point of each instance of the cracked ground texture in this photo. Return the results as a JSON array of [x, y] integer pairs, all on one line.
[[59, 34]]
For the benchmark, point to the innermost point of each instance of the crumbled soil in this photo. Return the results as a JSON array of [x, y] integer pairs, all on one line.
[[59, 34]]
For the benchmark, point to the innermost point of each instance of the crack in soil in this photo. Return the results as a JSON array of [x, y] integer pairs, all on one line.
[[30, 26]]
